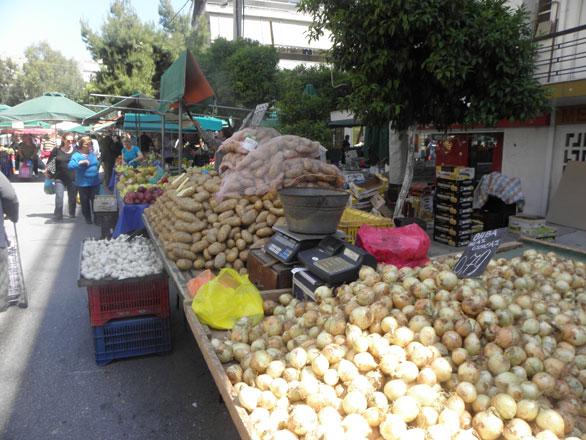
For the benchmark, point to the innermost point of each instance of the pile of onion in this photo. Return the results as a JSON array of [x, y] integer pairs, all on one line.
[[416, 353]]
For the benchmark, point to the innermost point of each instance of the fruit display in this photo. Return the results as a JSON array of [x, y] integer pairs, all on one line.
[[198, 231], [130, 179], [417, 353], [143, 195]]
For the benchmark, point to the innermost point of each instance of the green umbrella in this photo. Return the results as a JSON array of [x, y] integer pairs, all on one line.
[[4, 107], [53, 107], [27, 124], [80, 129]]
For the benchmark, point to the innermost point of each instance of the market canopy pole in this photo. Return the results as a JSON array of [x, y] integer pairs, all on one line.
[[180, 134], [183, 84]]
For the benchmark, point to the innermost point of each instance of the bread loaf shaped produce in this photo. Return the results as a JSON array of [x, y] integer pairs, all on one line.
[[198, 231]]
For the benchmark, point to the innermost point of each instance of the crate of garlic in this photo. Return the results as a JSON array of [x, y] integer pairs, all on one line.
[[420, 354]]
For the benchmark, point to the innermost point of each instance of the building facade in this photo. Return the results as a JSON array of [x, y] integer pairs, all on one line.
[[270, 22], [537, 151]]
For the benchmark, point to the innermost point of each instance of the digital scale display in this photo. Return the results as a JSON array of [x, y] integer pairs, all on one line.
[[334, 265]]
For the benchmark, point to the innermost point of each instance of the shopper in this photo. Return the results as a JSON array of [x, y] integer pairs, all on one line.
[[87, 180], [28, 150], [131, 154], [64, 177], [145, 142], [96, 146], [107, 156], [8, 208], [116, 147]]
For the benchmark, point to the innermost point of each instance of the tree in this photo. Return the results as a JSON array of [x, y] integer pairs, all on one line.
[[134, 55], [124, 51], [306, 114], [8, 72], [44, 70], [437, 62], [241, 72], [47, 70], [175, 36]]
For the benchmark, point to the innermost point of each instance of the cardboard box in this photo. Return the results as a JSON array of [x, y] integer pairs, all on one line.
[[521, 222], [267, 273], [454, 173], [451, 241], [454, 199]]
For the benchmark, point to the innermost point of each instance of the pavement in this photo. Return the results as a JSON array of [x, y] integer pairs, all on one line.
[[50, 385]]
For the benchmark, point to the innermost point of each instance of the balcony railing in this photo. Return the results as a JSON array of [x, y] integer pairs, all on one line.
[[562, 56]]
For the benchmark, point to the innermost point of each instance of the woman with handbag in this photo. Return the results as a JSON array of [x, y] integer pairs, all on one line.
[[57, 168], [87, 177]]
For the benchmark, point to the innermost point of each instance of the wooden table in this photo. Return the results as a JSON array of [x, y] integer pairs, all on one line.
[[180, 278]]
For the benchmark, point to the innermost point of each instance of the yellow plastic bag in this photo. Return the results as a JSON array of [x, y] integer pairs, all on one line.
[[227, 298]]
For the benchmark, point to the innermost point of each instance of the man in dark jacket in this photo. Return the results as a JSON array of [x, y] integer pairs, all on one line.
[[8, 208], [108, 158]]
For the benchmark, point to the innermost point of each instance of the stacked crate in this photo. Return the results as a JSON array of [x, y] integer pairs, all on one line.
[[453, 224], [130, 317]]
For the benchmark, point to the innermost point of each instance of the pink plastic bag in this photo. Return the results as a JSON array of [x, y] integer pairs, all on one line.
[[404, 246]]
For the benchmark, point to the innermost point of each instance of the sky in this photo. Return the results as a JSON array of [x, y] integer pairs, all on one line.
[[25, 22]]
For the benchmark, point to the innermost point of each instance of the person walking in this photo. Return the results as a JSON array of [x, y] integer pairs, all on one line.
[[8, 208], [64, 177], [107, 157], [85, 164], [28, 150]]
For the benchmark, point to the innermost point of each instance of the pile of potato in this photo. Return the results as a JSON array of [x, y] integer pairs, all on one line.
[[200, 232], [234, 149], [281, 162]]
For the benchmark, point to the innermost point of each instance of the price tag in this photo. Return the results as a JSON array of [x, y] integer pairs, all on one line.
[[250, 144], [105, 203], [477, 254], [259, 114]]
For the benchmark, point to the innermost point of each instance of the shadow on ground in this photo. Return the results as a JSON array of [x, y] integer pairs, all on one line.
[[51, 385]]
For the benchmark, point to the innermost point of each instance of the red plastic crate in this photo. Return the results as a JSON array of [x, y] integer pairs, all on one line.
[[134, 298]]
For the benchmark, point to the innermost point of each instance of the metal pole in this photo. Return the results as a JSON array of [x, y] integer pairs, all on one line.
[[180, 135], [237, 28], [162, 140], [136, 126]]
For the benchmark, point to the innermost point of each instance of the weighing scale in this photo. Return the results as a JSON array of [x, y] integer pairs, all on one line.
[[305, 284], [284, 245], [334, 261]]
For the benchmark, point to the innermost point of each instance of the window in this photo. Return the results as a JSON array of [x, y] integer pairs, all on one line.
[[543, 11]]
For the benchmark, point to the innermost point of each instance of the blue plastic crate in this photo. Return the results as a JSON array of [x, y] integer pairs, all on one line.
[[132, 337]]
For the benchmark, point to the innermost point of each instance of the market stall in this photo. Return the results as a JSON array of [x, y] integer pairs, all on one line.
[[135, 188], [372, 340]]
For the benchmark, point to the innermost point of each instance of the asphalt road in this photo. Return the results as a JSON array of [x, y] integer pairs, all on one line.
[[50, 385]]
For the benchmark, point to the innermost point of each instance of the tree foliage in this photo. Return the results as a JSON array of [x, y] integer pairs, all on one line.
[[306, 114], [132, 54], [8, 72], [241, 72], [432, 61], [124, 51], [44, 70]]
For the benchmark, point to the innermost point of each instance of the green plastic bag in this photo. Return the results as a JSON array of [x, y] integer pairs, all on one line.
[[224, 300]]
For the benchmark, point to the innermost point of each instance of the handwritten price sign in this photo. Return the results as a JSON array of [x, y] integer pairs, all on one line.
[[477, 254]]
